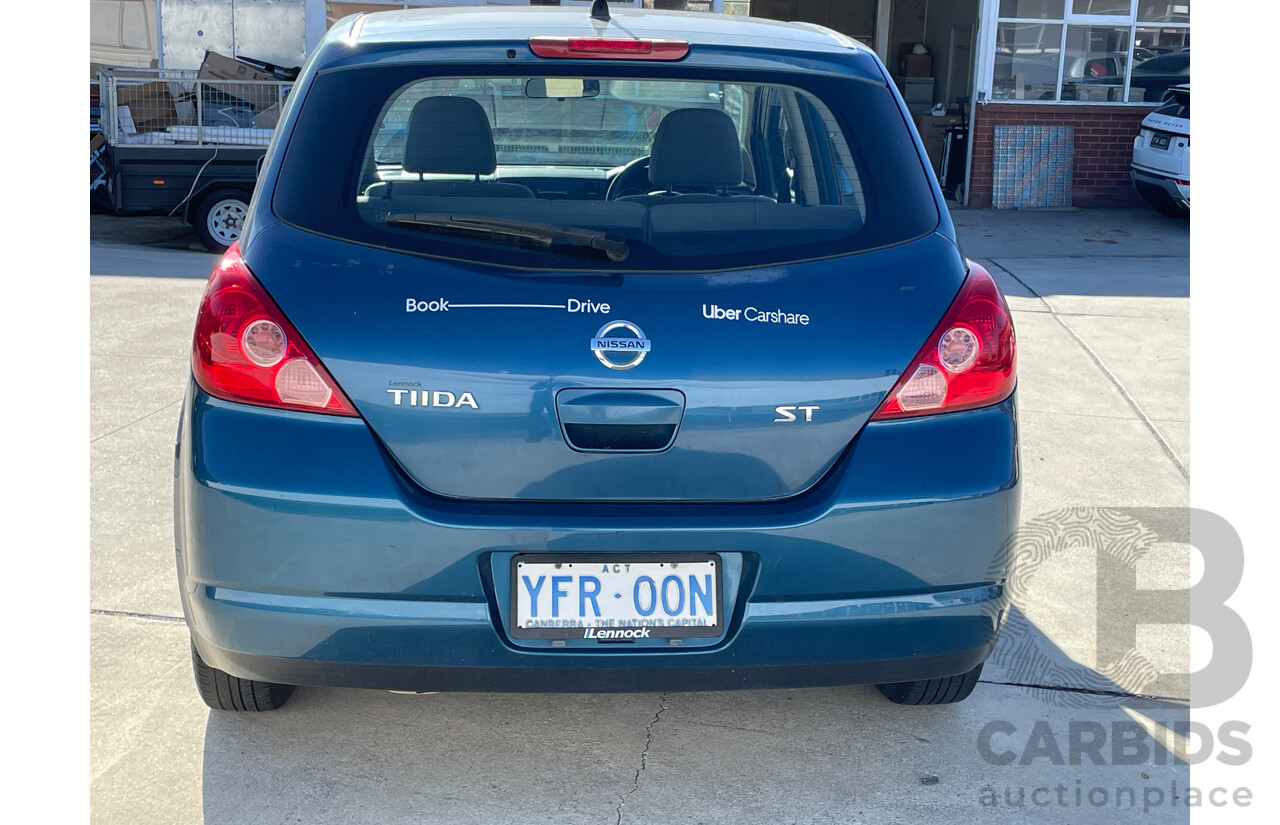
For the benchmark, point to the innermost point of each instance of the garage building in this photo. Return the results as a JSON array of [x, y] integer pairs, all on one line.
[[1054, 89]]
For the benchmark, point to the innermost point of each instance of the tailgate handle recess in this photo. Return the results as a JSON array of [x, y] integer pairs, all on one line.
[[616, 420]]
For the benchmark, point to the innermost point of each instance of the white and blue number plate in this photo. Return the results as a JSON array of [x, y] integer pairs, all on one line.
[[615, 599]]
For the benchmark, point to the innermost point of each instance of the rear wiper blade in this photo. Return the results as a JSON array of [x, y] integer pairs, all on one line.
[[542, 234]]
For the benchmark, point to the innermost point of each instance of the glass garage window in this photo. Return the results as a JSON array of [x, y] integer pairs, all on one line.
[[1027, 61], [1093, 65], [1107, 51], [1164, 11], [1108, 8], [1153, 41], [1163, 60], [1047, 9]]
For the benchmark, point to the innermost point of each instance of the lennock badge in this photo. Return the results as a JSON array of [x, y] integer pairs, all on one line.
[[620, 353]]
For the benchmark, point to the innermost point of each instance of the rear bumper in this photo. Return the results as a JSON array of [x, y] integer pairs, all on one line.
[[592, 677], [455, 646], [1153, 185], [324, 567]]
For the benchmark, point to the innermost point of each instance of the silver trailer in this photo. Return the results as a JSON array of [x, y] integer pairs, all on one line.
[[176, 144]]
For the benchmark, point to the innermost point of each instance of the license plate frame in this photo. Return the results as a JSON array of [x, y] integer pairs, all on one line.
[[1160, 141], [649, 562]]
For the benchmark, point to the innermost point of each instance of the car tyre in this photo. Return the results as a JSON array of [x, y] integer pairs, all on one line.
[[220, 218], [944, 691], [222, 691]]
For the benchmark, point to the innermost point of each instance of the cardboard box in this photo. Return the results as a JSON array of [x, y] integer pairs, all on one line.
[[124, 121], [933, 134], [150, 105], [220, 67], [217, 67], [916, 65], [916, 89], [1091, 93]]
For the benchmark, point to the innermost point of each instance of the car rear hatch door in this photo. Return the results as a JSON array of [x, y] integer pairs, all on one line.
[[743, 385], [1162, 143]]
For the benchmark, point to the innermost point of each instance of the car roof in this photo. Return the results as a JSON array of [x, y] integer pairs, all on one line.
[[1165, 62], [507, 23]]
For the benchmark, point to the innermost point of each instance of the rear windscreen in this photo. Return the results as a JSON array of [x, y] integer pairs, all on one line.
[[608, 172], [1177, 108]]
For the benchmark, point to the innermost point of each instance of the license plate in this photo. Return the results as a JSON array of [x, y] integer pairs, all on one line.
[[1159, 141], [615, 599]]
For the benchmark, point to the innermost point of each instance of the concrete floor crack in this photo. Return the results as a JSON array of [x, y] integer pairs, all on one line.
[[1119, 694], [168, 406], [648, 740], [131, 614]]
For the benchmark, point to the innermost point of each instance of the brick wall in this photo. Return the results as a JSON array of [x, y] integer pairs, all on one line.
[[1103, 148]]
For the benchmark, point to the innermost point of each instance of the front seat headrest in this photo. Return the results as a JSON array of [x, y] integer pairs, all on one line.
[[696, 147], [449, 135]]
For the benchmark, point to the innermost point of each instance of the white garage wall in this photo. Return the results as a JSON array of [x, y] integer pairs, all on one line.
[[122, 32], [270, 30]]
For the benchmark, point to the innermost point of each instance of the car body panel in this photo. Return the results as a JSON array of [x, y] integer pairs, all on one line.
[[374, 551], [707, 342]]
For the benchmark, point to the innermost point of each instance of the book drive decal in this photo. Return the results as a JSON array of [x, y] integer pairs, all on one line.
[[573, 305]]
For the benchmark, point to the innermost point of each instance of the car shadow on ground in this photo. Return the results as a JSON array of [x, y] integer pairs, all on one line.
[[348, 755], [1081, 252], [840, 754], [154, 231]]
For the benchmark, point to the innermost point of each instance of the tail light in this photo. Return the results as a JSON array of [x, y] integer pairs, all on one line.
[[969, 361], [608, 48], [246, 350]]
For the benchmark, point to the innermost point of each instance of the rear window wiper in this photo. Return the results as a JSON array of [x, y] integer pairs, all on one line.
[[501, 230]]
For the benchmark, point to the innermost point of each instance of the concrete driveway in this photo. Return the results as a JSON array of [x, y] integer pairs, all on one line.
[[1101, 304]]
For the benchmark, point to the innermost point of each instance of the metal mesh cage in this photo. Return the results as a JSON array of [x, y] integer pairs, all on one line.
[[175, 107]]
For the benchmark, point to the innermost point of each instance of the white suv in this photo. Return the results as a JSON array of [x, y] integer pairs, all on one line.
[[1162, 155]]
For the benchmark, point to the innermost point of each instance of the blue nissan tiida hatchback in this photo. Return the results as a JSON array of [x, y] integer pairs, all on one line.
[[582, 354]]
